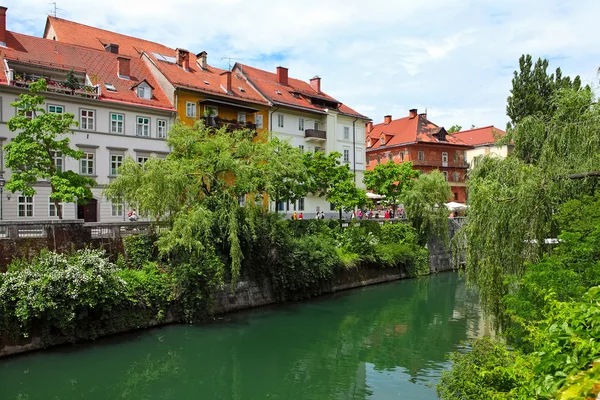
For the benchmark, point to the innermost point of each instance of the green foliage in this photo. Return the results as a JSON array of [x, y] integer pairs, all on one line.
[[71, 81], [391, 180], [139, 249], [454, 129], [30, 155], [424, 205]]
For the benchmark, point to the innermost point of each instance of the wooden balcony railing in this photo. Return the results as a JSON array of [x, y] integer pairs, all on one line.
[[315, 134]]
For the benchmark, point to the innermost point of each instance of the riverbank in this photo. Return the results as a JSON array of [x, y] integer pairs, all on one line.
[[248, 294]]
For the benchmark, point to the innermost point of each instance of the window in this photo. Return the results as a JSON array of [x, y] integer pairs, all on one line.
[[280, 120], [54, 109], [242, 200], [445, 158], [390, 156], [455, 196], [87, 164], [301, 147], [142, 127], [142, 160], [143, 91], [382, 140], [421, 155], [52, 212], [346, 133], [117, 123], [401, 156], [211, 111], [86, 119], [259, 120], [116, 161], [455, 176], [455, 157], [190, 109], [25, 206], [242, 117], [378, 159], [331, 207], [280, 206], [161, 128], [110, 87], [346, 155], [58, 160], [28, 114], [316, 125], [301, 204], [445, 175], [300, 124], [116, 210]]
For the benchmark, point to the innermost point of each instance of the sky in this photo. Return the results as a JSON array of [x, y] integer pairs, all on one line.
[[451, 58]]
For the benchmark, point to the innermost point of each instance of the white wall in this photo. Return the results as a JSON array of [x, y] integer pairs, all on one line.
[[99, 141], [497, 151]]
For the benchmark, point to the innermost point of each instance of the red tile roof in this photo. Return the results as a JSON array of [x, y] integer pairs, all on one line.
[[97, 64], [480, 136], [295, 94], [409, 130], [205, 80]]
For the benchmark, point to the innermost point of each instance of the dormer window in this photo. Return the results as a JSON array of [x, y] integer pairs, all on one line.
[[382, 140], [143, 91]]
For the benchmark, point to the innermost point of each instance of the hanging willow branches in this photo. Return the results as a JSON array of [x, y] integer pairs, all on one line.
[[512, 201]]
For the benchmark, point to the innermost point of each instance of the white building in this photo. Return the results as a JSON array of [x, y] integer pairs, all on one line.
[[312, 121], [484, 142], [121, 110]]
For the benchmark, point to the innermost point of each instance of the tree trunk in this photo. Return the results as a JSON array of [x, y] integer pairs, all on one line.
[[276, 206], [58, 209], [341, 218]]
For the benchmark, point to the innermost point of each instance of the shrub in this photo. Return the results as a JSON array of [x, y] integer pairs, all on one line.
[[139, 249]]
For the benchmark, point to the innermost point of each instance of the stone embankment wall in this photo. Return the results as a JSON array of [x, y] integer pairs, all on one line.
[[247, 294]]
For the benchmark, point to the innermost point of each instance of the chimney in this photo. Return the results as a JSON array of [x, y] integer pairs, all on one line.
[[369, 126], [282, 75], [201, 59], [3, 26], [112, 48], [315, 83], [226, 81], [387, 119], [412, 113], [182, 57], [123, 67]]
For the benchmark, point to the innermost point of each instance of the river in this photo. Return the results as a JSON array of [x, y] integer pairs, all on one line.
[[388, 341]]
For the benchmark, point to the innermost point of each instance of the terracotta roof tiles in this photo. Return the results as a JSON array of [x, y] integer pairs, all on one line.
[[486, 135]]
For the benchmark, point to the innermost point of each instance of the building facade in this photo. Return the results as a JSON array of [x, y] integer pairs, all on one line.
[[483, 142], [121, 110], [310, 120], [429, 147]]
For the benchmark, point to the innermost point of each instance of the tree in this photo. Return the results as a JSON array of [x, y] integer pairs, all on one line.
[[391, 180], [424, 204], [454, 129], [284, 174], [72, 82], [31, 155], [328, 178]]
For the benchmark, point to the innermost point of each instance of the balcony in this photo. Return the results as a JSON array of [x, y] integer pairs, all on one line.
[[229, 124], [55, 86], [440, 163], [315, 134]]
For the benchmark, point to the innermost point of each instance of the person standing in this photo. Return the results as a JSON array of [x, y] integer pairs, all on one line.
[[300, 216], [353, 215], [294, 216], [359, 214], [387, 214]]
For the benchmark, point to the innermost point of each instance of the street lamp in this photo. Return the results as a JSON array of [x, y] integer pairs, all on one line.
[[2, 182]]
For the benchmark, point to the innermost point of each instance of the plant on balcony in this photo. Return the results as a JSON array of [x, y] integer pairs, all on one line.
[[72, 82], [30, 155]]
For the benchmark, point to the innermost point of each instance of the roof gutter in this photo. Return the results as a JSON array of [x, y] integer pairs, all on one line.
[[271, 123]]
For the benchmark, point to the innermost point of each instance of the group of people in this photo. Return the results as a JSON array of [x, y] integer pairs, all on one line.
[[387, 214], [299, 216]]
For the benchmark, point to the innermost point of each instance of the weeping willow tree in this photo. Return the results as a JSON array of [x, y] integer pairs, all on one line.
[[197, 188], [512, 201]]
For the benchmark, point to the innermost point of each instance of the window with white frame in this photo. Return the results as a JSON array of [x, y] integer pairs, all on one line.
[[87, 163], [142, 126], [190, 109], [116, 209], [346, 133], [117, 123], [161, 128], [301, 148], [211, 111], [57, 158], [259, 120], [143, 91], [280, 120], [241, 117], [86, 119], [52, 211], [25, 206], [444, 157], [116, 161], [346, 155], [301, 204], [300, 124], [54, 109], [142, 160], [28, 114], [382, 140], [445, 175], [421, 155]]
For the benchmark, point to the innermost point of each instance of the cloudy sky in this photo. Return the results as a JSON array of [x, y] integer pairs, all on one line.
[[454, 58]]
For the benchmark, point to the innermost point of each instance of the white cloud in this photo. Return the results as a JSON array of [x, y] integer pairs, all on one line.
[[453, 57]]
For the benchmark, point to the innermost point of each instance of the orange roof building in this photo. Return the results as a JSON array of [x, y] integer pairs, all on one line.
[[483, 141], [428, 146], [121, 109]]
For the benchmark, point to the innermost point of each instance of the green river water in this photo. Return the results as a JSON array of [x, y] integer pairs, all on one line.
[[387, 341]]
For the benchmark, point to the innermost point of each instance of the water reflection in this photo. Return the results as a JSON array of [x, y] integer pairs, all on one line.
[[387, 341]]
